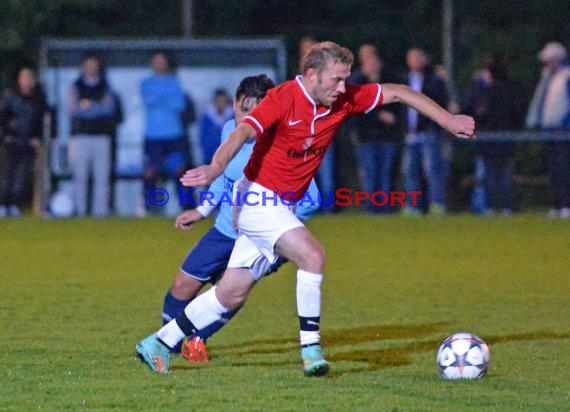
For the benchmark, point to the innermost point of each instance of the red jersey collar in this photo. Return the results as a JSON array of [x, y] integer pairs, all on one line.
[[299, 80]]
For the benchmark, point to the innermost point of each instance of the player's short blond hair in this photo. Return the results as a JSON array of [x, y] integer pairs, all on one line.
[[322, 53]]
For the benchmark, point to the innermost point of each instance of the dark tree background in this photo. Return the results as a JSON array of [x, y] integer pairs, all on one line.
[[516, 29]]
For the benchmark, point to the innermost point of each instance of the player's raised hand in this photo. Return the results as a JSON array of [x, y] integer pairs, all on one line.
[[199, 176], [461, 126], [185, 220]]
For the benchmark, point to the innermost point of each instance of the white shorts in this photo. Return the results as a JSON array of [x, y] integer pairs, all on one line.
[[260, 226], [246, 255]]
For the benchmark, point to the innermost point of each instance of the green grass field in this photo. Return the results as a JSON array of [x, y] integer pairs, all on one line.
[[78, 294]]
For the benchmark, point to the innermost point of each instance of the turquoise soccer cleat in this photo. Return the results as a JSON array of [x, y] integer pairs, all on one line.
[[314, 364], [152, 352]]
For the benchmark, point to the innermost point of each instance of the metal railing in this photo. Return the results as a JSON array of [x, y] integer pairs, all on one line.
[[524, 136]]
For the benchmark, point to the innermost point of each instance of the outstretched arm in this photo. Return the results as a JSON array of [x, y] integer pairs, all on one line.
[[459, 125], [204, 175]]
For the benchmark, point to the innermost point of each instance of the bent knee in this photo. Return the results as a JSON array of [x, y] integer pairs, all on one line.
[[314, 259], [185, 287], [318, 255], [231, 296], [230, 300]]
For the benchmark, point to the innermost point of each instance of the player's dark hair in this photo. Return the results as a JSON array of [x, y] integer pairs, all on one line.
[[322, 53], [254, 86]]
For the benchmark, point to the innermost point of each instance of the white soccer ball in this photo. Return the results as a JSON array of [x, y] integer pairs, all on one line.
[[463, 356], [61, 205]]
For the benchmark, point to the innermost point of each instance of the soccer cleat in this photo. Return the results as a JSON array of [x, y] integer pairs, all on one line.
[[314, 364], [194, 350], [154, 353]]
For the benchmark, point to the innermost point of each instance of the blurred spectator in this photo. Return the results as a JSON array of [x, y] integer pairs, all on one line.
[[494, 102], [304, 45], [478, 199], [188, 119], [21, 126], [454, 107], [375, 134], [326, 174], [118, 119], [212, 123], [94, 116], [165, 143], [550, 110], [425, 141], [441, 72]]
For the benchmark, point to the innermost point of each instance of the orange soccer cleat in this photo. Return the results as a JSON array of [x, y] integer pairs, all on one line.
[[194, 350]]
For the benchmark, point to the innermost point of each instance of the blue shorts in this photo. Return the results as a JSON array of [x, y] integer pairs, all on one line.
[[208, 260]]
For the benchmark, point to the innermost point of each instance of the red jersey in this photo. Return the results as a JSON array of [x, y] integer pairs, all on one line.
[[293, 133]]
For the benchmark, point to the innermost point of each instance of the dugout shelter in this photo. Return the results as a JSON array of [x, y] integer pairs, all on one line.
[[202, 65]]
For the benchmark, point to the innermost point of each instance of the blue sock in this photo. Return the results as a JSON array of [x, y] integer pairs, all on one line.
[[171, 308], [209, 330]]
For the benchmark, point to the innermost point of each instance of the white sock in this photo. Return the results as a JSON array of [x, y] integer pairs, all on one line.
[[309, 305], [171, 334], [201, 312], [205, 309]]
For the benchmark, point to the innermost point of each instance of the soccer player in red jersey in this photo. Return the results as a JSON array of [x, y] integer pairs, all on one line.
[[294, 125]]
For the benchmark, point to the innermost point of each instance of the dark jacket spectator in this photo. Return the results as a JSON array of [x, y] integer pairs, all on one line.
[[95, 114], [435, 88], [21, 126], [369, 127], [21, 115], [494, 102], [102, 116], [375, 134], [426, 148]]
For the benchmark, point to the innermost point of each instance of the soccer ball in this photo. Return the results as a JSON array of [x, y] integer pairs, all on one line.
[[463, 356]]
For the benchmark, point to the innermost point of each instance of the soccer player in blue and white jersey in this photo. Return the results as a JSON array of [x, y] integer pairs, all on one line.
[[208, 259]]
